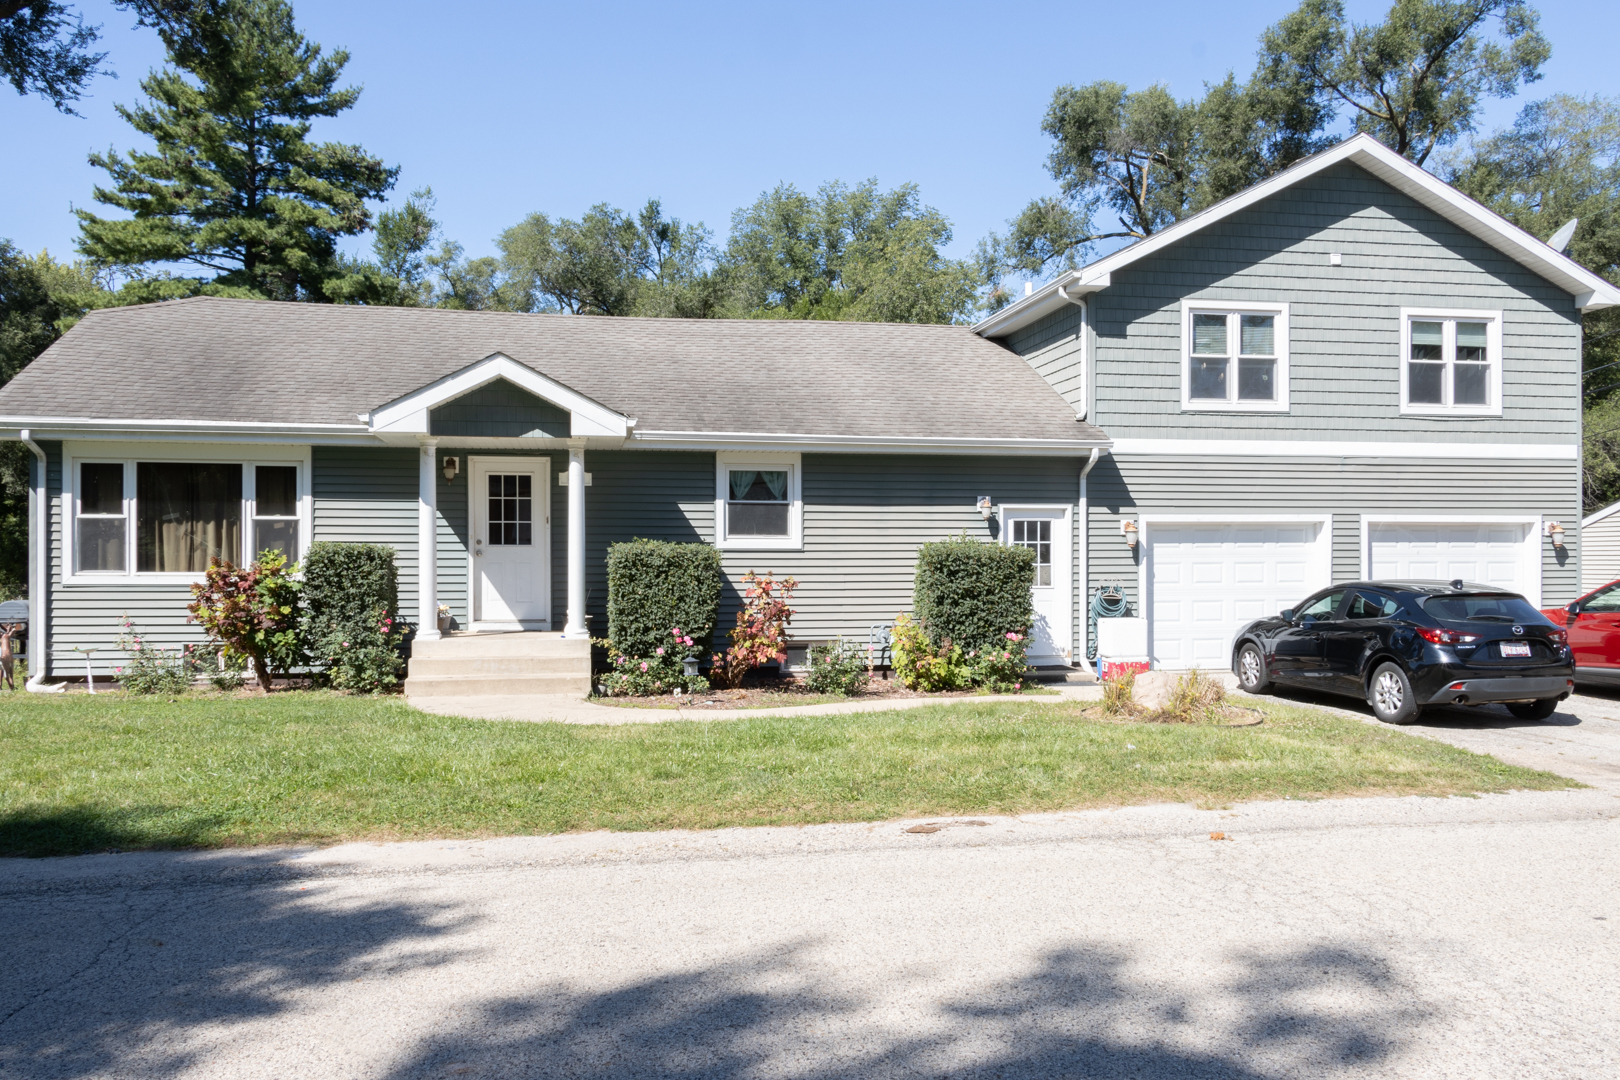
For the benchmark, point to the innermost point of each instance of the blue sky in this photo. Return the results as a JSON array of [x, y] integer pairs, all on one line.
[[511, 108]]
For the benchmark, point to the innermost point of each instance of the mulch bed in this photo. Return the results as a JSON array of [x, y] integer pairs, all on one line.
[[775, 694]]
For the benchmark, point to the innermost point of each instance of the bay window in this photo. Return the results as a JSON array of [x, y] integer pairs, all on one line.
[[1234, 357]]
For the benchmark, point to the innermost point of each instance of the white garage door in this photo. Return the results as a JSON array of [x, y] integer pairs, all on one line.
[[1495, 554], [1205, 581]]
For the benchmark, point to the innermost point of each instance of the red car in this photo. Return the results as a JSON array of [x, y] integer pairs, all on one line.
[[1593, 623]]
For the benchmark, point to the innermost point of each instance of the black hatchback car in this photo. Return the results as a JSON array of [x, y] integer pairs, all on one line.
[[1402, 645]]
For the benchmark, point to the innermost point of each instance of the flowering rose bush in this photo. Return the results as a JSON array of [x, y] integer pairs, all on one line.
[[838, 667], [1001, 668], [664, 672], [151, 670]]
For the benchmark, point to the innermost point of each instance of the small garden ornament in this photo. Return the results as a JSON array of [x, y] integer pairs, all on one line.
[[8, 659]]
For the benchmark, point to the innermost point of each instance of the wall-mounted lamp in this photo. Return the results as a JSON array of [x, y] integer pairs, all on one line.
[[452, 465], [1556, 531], [984, 507], [1129, 531]]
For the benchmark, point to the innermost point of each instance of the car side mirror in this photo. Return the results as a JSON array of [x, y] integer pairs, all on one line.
[[1574, 607], [1287, 614]]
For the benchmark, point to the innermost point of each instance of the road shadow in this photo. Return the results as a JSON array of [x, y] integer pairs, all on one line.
[[1081, 1012], [115, 975], [1461, 717]]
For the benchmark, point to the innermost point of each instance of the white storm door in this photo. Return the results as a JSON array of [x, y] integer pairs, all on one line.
[[1501, 554], [511, 538], [1045, 531], [1206, 580]]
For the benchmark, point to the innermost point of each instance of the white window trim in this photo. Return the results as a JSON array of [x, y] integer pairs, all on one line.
[[1191, 404], [725, 461], [128, 454], [1529, 547], [1493, 343]]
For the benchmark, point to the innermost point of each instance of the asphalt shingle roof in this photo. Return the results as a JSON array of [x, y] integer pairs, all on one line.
[[258, 361]]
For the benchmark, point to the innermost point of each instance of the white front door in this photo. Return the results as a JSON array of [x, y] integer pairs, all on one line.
[[1206, 580], [511, 541], [1045, 531]]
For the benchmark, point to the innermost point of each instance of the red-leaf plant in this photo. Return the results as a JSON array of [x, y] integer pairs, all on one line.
[[252, 612], [760, 635]]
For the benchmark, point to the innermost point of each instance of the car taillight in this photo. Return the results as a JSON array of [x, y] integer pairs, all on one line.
[[1557, 637], [1435, 636]]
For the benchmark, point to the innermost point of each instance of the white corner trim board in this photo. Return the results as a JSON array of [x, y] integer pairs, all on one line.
[[1307, 448]]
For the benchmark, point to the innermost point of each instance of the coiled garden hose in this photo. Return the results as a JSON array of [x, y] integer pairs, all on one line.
[[1105, 604]]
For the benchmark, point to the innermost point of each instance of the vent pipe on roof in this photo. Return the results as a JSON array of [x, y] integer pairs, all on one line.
[[1029, 287]]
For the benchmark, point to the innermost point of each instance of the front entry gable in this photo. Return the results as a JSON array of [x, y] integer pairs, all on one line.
[[497, 393]]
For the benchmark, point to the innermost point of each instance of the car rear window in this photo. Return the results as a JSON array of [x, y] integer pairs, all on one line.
[[1512, 609]]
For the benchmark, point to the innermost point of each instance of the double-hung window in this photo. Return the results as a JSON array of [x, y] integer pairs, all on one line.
[[1234, 357], [1451, 362], [757, 502], [149, 516]]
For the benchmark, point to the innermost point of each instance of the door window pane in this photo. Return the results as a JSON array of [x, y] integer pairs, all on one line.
[[1036, 534], [1322, 608], [511, 509], [186, 515]]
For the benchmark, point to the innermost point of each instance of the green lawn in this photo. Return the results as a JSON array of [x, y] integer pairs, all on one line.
[[87, 774]]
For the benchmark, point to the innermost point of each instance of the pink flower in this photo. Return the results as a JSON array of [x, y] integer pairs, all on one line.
[[1012, 637], [659, 651], [644, 665]]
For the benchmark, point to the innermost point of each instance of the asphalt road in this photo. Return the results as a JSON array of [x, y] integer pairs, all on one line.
[[1356, 938]]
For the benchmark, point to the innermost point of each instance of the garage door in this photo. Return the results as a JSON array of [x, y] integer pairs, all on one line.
[[1207, 580], [1491, 553]]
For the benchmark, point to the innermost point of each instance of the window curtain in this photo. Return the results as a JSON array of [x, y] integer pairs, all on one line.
[[187, 514], [777, 482], [741, 481]]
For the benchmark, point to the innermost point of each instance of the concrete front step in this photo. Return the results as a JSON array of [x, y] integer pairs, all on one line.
[[480, 665], [443, 686], [1070, 676]]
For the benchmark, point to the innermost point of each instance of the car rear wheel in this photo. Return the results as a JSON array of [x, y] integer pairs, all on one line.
[[1251, 670], [1539, 709], [1390, 695]]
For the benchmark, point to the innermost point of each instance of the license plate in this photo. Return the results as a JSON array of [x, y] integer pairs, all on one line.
[[1515, 648]]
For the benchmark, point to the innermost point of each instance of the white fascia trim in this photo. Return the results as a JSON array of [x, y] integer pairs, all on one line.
[[76, 427], [409, 414], [1361, 449], [1599, 515], [1590, 292], [793, 463], [1529, 547], [1070, 288], [767, 442]]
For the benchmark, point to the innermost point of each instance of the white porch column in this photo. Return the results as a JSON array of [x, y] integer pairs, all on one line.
[[427, 543], [575, 627]]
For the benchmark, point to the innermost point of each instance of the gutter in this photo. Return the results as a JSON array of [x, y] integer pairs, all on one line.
[[39, 575]]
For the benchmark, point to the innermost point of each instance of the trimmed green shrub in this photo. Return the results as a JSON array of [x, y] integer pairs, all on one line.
[[352, 625], [973, 594], [656, 587]]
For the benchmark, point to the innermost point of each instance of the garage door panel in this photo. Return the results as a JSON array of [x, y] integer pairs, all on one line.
[[1488, 552], [1209, 579]]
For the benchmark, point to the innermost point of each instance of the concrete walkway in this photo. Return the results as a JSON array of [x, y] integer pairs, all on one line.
[[566, 709]]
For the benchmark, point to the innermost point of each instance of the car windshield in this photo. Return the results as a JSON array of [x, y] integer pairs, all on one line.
[[1509, 609]]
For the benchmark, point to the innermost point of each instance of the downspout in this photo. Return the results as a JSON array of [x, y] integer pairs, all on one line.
[[1085, 552], [39, 574]]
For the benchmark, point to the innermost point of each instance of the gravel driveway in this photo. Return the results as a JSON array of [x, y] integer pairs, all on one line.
[[1413, 937]]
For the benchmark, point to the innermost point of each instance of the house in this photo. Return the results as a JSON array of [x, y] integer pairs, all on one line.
[[1349, 370], [1600, 548]]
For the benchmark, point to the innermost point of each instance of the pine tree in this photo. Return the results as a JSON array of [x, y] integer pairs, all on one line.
[[234, 188]]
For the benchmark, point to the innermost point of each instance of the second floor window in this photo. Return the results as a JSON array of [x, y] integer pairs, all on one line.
[[1235, 359], [1451, 362]]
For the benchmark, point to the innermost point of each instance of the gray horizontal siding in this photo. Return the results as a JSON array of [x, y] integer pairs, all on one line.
[[1345, 320], [1127, 486], [369, 496], [1600, 553]]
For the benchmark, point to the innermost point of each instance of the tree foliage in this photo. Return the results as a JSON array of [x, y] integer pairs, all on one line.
[[234, 187], [1561, 160], [1129, 163], [46, 49]]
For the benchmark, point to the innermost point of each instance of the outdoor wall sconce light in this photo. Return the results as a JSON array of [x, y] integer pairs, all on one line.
[[1130, 532], [1556, 531], [452, 465], [984, 507]]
